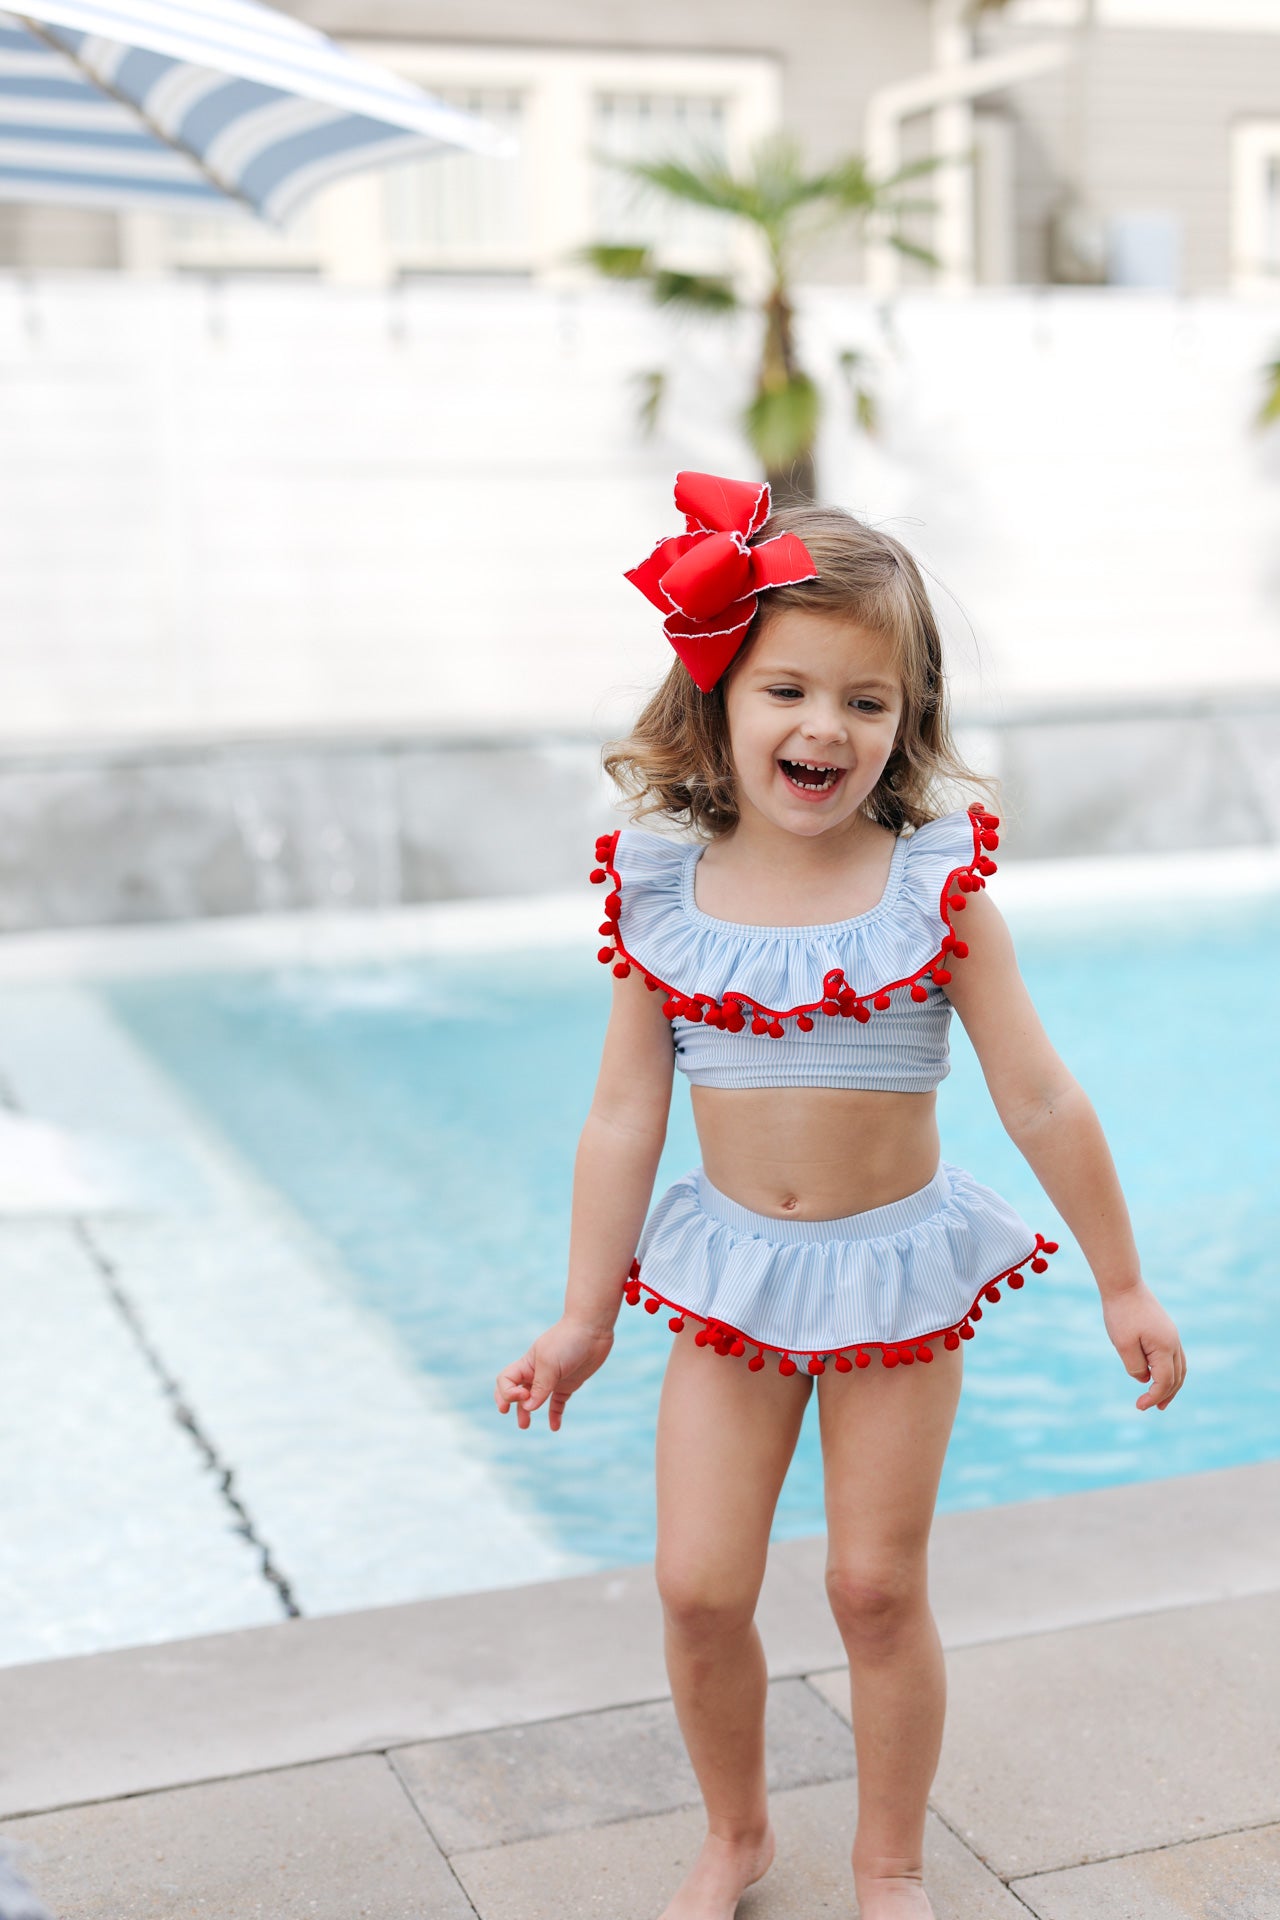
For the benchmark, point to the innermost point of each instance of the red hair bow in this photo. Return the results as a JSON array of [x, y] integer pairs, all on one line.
[[707, 580]]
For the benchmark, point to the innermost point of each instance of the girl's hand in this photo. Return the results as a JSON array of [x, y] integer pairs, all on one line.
[[1147, 1341], [555, 1366]]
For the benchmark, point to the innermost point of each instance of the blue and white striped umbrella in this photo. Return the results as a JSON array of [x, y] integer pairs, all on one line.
[[194, 102]]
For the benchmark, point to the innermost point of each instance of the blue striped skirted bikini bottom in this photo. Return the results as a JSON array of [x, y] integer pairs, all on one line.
[[891, 1279]]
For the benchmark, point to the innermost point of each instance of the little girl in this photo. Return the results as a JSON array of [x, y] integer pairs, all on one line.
[[799, 963]]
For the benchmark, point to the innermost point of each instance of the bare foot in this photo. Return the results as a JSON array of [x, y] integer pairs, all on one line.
[[719, 1877], [891, 1896]]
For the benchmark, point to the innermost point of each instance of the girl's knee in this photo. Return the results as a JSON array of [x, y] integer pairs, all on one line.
[[874, 1602], [699, 1604]]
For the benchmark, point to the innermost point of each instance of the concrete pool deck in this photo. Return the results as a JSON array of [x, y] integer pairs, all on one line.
[[1111, 1753]]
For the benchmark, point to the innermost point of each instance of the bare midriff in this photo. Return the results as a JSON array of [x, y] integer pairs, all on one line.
[[815, 1153]]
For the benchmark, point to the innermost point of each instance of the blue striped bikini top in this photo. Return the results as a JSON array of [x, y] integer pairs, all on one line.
[[846, 1003]]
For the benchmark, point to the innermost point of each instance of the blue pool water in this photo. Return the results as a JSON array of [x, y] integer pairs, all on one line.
[[422, 1117]]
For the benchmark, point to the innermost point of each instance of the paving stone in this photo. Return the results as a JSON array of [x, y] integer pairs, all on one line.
[[331, 1842], [1035, 1565], [631, 1868], [488, 1789], [1233, 1877], [1068, 1747], [115, 1723]]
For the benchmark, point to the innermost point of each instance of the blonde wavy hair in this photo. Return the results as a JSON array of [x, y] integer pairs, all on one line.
[[676, 762]]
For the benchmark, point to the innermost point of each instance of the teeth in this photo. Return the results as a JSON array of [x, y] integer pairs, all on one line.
[[830, 774]]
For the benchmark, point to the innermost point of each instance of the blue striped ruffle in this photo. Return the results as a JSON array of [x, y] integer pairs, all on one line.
[[891, 1277]]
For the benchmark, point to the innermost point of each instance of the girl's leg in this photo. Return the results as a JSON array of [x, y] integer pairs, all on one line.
[[884, 1434], [725, 1439]]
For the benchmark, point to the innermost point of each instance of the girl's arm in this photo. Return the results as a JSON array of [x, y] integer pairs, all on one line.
[[1048, 1116], [613, 1176]]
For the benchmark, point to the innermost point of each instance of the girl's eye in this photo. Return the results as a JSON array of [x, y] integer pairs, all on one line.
[[867, 705]]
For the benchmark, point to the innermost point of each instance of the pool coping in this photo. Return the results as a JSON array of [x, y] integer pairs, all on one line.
[[1028, 889], [138, 1720]]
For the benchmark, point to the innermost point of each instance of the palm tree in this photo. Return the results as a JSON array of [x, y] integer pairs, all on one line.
[[785, 207]]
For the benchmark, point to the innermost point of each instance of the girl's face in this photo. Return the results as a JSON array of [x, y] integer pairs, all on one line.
[[814, 691]]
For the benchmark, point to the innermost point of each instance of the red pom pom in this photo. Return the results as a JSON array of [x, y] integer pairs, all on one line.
[[1039, 1266], [816, 1365], [786, 1364], [724, 1345], [701, 1338], [775, 1028], [992, 1292], [985, 865], [738, 1346], [693, 1011], [957, 901], [906, 1356], [965, 882], [597, 875], [736, 1023], [918, 992], [676, 1323], [804, 1023], [621, 970], [951, 1340], [990, 840], [975, 1311], [607, 927], [758, 1025], [863, 1359], [651, 1305], [924, 1353], [632, 1296], [843, 1363], [959, 949], [605, 953], [1050, 1246], [831, 1006], [1016, 1279], [890, 1356], [756, 1362], [651, 983], [881, 1001], [941, 975], [634, 1269], [966, 1332], [861, 1013]]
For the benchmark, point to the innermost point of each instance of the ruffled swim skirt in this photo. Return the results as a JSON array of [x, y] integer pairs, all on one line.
[[891, 1279]]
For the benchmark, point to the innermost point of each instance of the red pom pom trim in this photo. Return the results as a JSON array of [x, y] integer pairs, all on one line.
[[727, 1340], [730, 1012]]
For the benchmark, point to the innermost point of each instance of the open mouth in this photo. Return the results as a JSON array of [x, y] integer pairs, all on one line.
[[808, 776]]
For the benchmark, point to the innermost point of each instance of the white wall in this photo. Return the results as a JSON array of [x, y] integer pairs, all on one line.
[[274, 506]]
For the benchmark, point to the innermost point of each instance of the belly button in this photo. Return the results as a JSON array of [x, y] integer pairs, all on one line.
[[790, 1201]]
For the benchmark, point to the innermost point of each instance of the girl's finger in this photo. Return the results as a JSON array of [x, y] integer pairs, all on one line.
[[1162, 1380]]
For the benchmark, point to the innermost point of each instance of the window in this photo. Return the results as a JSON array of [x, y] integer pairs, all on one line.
[[463, 209], [1255, 204], [658, 126]]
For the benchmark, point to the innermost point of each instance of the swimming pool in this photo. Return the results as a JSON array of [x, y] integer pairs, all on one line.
[[431, 1150]]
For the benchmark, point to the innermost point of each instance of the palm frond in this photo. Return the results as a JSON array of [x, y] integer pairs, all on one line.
[[1270, 410], [911, 250], [705, 182], [651, 390], [618, 262], [695, 292], [866, 407]]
